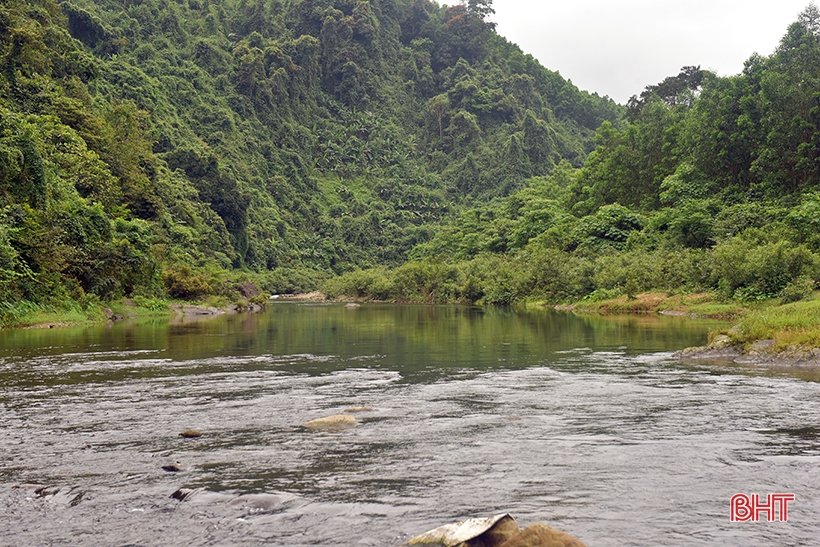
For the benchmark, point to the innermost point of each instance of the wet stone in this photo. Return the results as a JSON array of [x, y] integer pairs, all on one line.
[[337, 422], [358, 409], [497, 531], [175, 467], [190, 434], [181, 494]]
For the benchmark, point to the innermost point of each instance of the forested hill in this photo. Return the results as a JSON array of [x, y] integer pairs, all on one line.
[[150, 146], [712, 184]]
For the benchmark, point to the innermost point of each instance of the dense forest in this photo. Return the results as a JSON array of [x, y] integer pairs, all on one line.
[[385, 149], [160, 147], [707, 184]]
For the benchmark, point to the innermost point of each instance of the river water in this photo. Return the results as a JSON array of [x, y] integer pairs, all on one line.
[[588, 424]]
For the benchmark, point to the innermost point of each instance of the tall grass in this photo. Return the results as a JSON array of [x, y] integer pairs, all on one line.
[[795, 324], [26, 312], [16, 313]]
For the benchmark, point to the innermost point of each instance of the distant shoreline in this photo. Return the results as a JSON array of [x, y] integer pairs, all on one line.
[[768, 333]]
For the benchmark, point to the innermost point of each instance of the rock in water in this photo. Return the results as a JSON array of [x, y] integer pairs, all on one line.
[[260, 502], [486, 532], [541, 535], [181, 494], [175, 467], [358, 409], [190, 434], [331, 423]]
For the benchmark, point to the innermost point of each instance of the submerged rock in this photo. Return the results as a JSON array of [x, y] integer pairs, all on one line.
[[331, 423], [497, 531], [182, 494], [358, 409], [260, 502], [175, 467]]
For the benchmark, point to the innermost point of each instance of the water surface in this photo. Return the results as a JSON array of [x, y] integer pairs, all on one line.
[[587, 424]]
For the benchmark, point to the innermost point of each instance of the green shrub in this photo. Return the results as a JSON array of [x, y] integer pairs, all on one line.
[[182, 282], [746, 269], [798, 289]]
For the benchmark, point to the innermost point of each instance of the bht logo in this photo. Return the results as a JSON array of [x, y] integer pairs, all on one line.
[[750, 507]]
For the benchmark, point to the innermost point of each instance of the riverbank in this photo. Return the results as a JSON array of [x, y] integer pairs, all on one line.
[[27, 315], [765, 332], [698, 305], [780, 335], [761, 352], [768, 332]]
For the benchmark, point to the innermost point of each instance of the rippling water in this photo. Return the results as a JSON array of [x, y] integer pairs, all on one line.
[[587, 424]]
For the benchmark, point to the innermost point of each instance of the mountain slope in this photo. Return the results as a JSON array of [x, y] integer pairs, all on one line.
[[148, 145]]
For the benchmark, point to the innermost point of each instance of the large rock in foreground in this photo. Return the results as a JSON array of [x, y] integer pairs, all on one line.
[[484, 532], [541, 535], [497, 531]]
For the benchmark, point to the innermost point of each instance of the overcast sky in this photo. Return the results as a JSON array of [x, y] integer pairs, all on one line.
[[618, 47]]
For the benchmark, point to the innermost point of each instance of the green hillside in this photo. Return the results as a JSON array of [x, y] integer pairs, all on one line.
[[711, 184], [159, 147], [386, 149]]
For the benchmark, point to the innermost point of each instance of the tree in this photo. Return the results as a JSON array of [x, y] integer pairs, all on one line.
[[439, 106], [482, 8], [671, 90]]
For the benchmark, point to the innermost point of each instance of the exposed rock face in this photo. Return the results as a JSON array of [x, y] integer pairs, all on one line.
[[331, 423], [497, 531], [248, 289]]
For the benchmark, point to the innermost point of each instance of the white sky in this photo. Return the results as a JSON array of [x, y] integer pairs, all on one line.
[[618, 47]]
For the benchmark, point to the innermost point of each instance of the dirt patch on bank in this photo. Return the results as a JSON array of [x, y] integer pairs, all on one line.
[[314, 296], [50, 325]]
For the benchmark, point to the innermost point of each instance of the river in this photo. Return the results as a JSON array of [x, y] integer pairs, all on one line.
[[586, 423]]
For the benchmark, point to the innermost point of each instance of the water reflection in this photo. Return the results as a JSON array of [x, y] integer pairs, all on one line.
[[407, 337]]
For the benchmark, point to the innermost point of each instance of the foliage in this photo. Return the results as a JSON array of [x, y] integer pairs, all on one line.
[[153, 147], [385, 150]]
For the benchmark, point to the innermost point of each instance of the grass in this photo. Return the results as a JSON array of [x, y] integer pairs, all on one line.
[[69, 312], [793, 325], [789, 325], [25, 313], [700, 304]]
